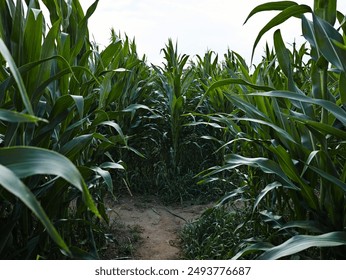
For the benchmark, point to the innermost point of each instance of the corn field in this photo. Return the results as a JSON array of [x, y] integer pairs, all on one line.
[[79, 124]]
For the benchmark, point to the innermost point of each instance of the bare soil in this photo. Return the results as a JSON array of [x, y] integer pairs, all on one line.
[[157, 224]]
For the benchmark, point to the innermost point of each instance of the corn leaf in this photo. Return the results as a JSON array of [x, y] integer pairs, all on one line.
[[15, 117], [342, 88], [10, 181], [265, 164], [339, 113], [292, 11], [271, 6], [28, 161], [299, 243], [325, 34], [106, 177], [231, 81], [16, 75]]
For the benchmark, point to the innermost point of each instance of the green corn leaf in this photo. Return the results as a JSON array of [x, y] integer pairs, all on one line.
[[28, 161], [281, 131], [311, 226], [325, 34], [308, 32], [250, 109], [102, 138], [231, 81], [105, 90], [342, 88], [79, 101], [49, 44], [33, 35], [292, 11], [112, 165], [310, 158], [178, 107], [5, 22], [132, 108], [58, 76], [258, 246], [116, 127], [334, 180], [272, 219], [43, 64], [323, 128], [138, 153], [10, 181], [17, 77], [76, 145], [299, 243], [232, 142], [282, 53], [106, 177], [265, 164], [82, 29], [66, 101], [212, 124], [341, 19], [326, 9], [18, 21], [64, 50], [271, 6], [264, 192], [339, 113], [290, 170], [15, 117], [54, 10], [286, 162], [48, 50]]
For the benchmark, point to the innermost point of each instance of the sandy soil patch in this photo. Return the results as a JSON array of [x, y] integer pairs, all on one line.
[[159, 225]]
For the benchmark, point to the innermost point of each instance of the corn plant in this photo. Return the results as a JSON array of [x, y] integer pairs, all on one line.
[[296, 130], [58, 140], [173, 83]]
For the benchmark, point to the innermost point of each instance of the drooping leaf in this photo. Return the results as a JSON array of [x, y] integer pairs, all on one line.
[[299, 243], [28, 161], [106, 177], [323, 128], [333, 179], [291, 11], [231, 81], [10, 181], [271, 6], [264, 192], [76, 145], [339, 113], [16, 75], [15, 117], [265, 164]]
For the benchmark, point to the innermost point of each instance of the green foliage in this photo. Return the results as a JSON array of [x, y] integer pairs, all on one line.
[[77, 124], [60, 138], [296, 132], [217, 234]]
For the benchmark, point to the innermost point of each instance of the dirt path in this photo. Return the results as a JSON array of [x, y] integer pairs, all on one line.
[[159, 225]]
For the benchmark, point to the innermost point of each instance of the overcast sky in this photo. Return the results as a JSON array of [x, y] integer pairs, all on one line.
[[198, 25]]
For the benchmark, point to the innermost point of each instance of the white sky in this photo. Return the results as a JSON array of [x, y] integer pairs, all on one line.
[[198, 25]]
